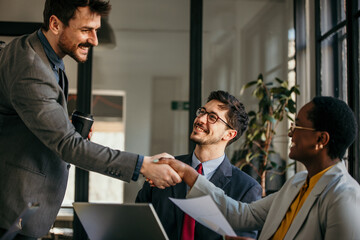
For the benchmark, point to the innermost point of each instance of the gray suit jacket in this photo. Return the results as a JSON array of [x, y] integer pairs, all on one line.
[[37, 140], [331, 211]]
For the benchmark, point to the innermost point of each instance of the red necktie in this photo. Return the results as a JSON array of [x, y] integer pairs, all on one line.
[[188, 230]]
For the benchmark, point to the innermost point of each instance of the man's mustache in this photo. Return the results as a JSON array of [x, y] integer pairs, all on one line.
[[85, 45], [201, 126]]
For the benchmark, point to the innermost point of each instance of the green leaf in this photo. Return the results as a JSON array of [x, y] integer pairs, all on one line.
[[284, 84], [295, 89], [273, 164], [279, 80], [259, 94], [267, 168], [272, 177], [249, 84], [289, 117], [243, 165], [248, 157], [278, 90], [292, 106], [263, 152], [263, 137]]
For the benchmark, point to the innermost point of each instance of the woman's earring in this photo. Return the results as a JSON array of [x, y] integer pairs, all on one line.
[[319, 146]]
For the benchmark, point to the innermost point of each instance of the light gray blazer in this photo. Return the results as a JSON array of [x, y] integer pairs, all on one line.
[[331, 211], [37, 140]]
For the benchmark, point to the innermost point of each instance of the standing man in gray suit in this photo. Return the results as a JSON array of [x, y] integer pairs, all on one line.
[[37, 139]]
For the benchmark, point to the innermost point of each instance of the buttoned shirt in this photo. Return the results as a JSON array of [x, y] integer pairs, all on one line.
[[209, 167], [54, 60]]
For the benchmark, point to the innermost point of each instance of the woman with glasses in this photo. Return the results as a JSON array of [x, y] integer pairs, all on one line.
[[320, 203]]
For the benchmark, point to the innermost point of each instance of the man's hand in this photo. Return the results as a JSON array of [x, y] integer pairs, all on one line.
[[161, 175], [91, 132], [186, 172]]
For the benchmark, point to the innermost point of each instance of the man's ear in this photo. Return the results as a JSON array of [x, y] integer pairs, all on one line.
[[230, 134], [55, 24]]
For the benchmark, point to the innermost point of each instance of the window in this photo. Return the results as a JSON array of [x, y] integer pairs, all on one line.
[[337, 53]]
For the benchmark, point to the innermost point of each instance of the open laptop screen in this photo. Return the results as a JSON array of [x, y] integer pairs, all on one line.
[[103, 221]]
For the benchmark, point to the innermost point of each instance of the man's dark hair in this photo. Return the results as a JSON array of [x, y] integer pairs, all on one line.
[[65, 9], [236, 116], [335, 117]]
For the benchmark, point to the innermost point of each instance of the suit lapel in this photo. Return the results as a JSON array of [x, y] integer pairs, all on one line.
[[63, 82], [280, 206], [223, 174], [323, 182], [39, 49], [301, 216]]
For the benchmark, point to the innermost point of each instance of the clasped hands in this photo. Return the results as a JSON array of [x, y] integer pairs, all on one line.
[[163, 171]]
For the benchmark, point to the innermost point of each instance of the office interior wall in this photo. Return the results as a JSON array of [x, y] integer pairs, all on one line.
[[241, 40], [152, 45]]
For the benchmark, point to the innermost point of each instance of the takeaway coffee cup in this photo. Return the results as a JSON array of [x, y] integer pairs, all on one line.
[[82, 122]]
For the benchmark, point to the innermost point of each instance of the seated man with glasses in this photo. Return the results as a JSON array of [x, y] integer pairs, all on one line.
[[219, 123]]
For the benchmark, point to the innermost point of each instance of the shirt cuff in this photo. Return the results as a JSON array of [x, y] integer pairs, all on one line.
[[137, 168]]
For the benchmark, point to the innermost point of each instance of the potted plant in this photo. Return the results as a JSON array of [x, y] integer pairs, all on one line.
[[275, 103]]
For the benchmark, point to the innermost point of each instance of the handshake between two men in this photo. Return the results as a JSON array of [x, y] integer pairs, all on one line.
[[163, 170]]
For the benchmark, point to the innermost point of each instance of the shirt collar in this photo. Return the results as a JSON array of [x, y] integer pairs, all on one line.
[[314, 179], [55, 61], [209, 166]]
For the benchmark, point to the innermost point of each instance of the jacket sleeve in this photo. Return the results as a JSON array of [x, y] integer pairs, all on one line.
[[340, 214], [253, 194], [241, 216], [38, 100]]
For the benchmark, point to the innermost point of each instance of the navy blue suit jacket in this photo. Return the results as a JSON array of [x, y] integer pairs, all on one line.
[[235, 183]]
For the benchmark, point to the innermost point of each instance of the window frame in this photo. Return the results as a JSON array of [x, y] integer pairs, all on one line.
[[351, 25]]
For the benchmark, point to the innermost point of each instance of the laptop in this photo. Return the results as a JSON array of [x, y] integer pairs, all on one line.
[[104, 221]]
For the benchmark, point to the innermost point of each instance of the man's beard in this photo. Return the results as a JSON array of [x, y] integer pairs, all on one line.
[[205, 140], [71, 49]]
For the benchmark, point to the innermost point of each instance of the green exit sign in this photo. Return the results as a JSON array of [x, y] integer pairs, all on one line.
[[179, 105]]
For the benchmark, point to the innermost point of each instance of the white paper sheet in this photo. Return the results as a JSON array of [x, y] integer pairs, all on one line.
[[204, 210]]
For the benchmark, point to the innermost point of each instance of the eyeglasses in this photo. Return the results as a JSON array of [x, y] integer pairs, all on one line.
[[293, 127], [211, 117]]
